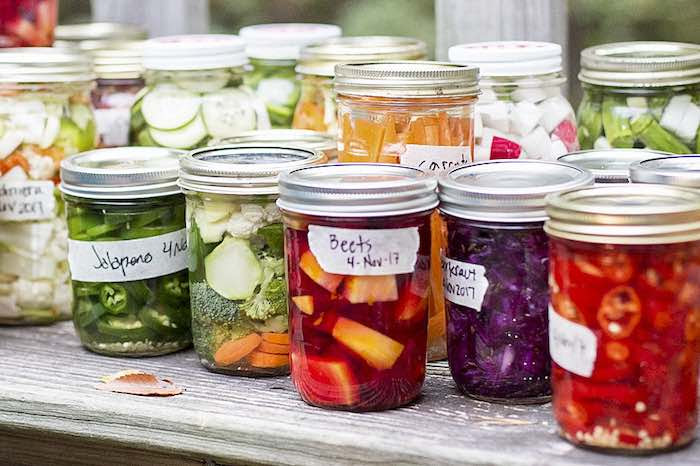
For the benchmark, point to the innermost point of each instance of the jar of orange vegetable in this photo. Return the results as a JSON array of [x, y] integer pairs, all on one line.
[[316, 108], [418, 114]]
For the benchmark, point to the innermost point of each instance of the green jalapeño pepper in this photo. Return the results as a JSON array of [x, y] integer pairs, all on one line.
[[114, 297]]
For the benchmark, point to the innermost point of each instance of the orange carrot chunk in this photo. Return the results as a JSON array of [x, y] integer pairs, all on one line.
[[273, 348], [234, 350], [279, 338], [267, 360]]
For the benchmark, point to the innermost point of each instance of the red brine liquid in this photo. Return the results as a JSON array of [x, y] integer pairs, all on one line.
[[358, 343], [27, 23], [642, 303]]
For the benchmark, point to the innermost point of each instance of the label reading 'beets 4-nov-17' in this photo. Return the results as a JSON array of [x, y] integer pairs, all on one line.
[[572, 346], [348, 251], [464, 284]]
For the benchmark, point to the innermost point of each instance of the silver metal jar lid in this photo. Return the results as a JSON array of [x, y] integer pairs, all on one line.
[[407, 79], [98, 31], [357, 190], [641, 64], [121, 173], [625, 214], [303, 138], [242, 169], [320, 59], [609, 165], [677, 170], [44, 65], [509, 191]]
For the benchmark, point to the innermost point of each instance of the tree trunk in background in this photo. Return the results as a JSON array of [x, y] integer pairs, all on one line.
[[159, 17]]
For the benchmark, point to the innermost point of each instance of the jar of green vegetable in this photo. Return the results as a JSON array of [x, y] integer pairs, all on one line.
[[127, 250], [239, 294], [641, 95]]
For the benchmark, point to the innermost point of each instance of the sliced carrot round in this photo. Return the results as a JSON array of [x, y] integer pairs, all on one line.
[[267, 360], [278, 338], [274, 348], [234, 350]]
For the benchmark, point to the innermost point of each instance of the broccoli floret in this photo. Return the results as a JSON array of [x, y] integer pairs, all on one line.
[[210, 305], [271, 298]]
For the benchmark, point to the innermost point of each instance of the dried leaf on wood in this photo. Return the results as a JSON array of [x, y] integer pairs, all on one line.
[[135, 382]]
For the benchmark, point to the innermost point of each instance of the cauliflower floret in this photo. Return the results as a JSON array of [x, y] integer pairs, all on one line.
[[34, 293], [253, 213], [63, 299], [240, 227], [272, 213], [40, 167], [58, 248]]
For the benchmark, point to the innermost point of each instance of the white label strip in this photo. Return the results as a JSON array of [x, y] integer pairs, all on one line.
[[27, 200], [123, 261], [434, 158], [364, 252], [572, 346], [464, 283]]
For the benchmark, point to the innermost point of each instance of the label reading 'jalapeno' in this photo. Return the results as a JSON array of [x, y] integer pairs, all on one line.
[[364, 252], [128, 260], [434, 158], [465, 284], [572, 346], [27, 200]]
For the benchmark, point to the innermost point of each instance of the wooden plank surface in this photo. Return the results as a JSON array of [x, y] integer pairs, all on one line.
[[47, 398]]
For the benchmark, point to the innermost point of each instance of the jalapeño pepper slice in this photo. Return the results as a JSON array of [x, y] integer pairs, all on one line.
[[123, 328], [114, 297]]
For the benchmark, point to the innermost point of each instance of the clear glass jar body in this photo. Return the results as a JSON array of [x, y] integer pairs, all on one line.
[[185, 109], [316, 108], [358, 342], [28, 23], [631, 312], [663, 118], [497, 343], [524, 117], [275, 83], [112, 99], [239, 293], [131, 316], [41, 124]]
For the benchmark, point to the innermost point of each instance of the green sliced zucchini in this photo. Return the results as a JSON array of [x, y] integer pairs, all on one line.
[[232, 270]]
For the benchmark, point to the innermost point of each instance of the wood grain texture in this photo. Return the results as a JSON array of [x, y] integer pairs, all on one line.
[[47, 392], [159, 17]]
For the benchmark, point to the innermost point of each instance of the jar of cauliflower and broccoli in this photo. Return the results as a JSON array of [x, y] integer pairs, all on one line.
[[45, 114], [237, 283]]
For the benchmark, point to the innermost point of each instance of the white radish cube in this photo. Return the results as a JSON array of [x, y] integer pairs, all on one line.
[[487, 96], [672, 117], [537, 144], [688, 128], [558, 148], [478, 125], [601, 144], [524, 118], [554, 111], [495, 116]]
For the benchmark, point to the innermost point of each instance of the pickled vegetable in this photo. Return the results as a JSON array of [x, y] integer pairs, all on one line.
[[316, 107], [277, 85], [28, 23]]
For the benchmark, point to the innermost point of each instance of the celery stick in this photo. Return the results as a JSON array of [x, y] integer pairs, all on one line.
[[656, 105], [590, 123], [650, 132], [616, 126]]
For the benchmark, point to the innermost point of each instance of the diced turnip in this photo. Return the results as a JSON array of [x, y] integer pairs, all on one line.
[[499, 145], [672, 118], [601, 143], [637, 102], [524, 118], [478, 125], [554, 111], [537, 144], [558, 148], [495, 116], [689, 125]]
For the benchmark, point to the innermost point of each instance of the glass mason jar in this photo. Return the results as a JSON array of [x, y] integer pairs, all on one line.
[[609, 165], [316, 109], [624, 323], [236, 271], [304, 138], [495, 267], [522, 112], [127, 250], [389, 113], [194, 92], [357, 241], [28, 23], [273, 50], [641, 95], [45, 114]]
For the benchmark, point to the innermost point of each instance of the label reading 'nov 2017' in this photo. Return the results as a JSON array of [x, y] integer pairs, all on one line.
[[127, 260], [464, 284], [364, 252], [434, 158], [572, 346], [27, 200]]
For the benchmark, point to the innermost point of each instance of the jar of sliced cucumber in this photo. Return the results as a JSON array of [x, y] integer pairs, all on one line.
[[127, 250], [641, 95], [239, 294], [45, 114], [194, 92]]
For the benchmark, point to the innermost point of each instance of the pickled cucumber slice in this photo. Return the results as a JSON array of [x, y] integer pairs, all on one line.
[[228, 112], [232, 270], [182, 138], [168, 107]]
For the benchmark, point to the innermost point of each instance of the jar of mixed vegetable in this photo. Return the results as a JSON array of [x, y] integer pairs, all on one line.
[[357, 241], [495, 267], [273, 50], [624, 321], [45, 114], [316, 109], [609, 165], [304, 138], [522, 112], [391, 113], [127, 250], [28, 23], [239, 294], [194, 92], [642, 95], [679, 170]]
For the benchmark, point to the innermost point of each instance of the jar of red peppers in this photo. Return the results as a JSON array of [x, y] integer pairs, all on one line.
[[418, 114], [624, 320], [357, 241], [27, 23], [495, 268], [609, 165]]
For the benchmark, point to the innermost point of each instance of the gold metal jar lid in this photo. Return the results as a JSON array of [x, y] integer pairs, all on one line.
[[625, 214], [641, 64], [320, 59]]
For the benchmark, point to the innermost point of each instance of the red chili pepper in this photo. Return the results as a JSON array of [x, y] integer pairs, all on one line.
[[620, 312]]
